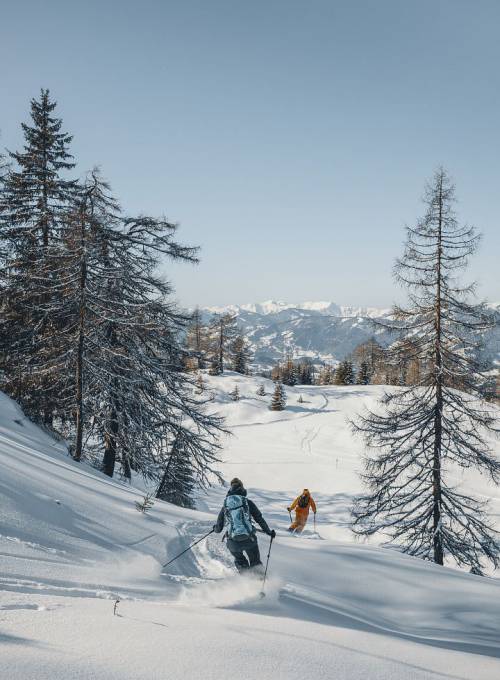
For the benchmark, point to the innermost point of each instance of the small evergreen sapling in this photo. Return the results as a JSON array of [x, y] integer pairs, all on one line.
[[200, 385], [179, 475], [235, 394], [278, 402], [214, 368], [261, 392], [146, 503]]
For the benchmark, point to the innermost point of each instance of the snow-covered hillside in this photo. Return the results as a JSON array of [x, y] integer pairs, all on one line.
[[72, 542], [320, 331]]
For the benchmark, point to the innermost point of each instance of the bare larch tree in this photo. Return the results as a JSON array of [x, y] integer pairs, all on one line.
[[418, 434]]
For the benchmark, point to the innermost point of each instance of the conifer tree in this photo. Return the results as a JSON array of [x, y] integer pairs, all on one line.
[[88, 332], [200, 384], [178, 479], [4, 167], [36, 195], [235, 394], [277, 373], [223, 330], [371, 353], [288, 373], [142, 390], [421, 430], [196, 339], [364, 373], [340, 374], [344, 375], [240, 354], [33, 205], [91, 227], [261, 391], [305, 373], [278, 402], [413, 364], [125, 354], [326, 375]]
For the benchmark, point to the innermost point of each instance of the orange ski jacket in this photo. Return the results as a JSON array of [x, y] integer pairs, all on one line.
[[310, 505]]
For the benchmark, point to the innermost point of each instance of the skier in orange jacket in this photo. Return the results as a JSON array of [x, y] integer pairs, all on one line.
[[301, 505]]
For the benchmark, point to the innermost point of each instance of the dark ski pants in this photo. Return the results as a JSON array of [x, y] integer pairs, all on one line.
[[238, 549]]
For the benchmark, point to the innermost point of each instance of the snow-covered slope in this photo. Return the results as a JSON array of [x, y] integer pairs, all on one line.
[[320, 331], [71, 542]]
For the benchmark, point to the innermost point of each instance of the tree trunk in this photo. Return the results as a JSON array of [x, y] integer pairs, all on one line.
[[438, 414], [45, 200], [221, 348], [109, 459], [110, 447], [48, 418], [79, 356], [199, 343], [79, 391], [436, 483], [161, 490], [127, 469]]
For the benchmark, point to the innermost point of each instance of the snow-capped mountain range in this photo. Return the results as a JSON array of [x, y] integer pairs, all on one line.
[[323, 308], [321, 331]]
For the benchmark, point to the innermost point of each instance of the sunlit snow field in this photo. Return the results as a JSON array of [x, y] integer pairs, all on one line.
[[72, 543]]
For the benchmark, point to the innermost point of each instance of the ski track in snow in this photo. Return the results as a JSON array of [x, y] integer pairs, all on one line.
[[312, 412]]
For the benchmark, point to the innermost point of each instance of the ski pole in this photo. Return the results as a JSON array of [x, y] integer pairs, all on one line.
[[290, 516], [267, 564], [314, 522], [188, 548]]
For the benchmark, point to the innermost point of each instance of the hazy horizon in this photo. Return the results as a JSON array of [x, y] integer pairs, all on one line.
[[298, 303]]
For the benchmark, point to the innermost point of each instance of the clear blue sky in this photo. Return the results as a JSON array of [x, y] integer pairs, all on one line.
[[291, 139]]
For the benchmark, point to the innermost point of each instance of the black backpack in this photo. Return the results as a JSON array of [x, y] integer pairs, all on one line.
[[303, 501]]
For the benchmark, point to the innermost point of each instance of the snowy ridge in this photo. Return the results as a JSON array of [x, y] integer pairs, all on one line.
[[323, 332], [72, 542], [321, 307], [319, 331]]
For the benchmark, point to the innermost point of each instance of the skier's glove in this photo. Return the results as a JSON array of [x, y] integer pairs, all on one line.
[[272, 534], [289, 510]]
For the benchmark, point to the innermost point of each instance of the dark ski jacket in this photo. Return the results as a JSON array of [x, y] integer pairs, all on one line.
[[254, 512]]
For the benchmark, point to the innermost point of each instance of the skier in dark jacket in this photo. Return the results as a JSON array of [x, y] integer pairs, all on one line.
[[238, 512]]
